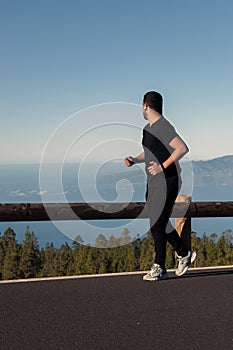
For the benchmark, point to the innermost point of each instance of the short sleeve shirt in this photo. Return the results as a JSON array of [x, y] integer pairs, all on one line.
[[155, 141]]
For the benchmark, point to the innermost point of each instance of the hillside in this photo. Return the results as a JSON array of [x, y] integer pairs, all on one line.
[[214, 172]]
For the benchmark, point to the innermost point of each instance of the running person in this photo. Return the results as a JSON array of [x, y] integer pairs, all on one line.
[[163, 148]]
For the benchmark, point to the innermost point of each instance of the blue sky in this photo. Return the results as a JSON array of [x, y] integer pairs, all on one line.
[[59, 57]]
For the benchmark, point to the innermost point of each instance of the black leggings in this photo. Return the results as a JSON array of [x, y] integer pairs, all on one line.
[[160, 197]]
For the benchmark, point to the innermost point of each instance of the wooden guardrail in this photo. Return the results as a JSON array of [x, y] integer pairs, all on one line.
[[183, 211], [103, 211]]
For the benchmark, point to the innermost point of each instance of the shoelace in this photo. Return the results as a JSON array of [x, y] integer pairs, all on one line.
[[180, 260], [154, 269]]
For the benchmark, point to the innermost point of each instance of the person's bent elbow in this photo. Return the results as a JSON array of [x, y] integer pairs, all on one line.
[[185, 149]]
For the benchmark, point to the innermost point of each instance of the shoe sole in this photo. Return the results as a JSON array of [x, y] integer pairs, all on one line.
[[159, 278], [183, 272]]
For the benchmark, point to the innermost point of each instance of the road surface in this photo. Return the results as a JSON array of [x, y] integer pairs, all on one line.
[[120, 312]]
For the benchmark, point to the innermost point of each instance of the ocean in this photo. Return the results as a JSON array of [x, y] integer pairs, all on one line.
[[21, 183]]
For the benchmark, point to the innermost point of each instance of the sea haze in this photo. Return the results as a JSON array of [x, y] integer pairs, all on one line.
[[206, 180]]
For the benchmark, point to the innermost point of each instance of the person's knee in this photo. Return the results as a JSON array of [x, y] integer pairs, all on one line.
[[159, 226]]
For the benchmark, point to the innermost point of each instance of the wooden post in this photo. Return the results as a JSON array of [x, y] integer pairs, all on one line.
[[183, 225]]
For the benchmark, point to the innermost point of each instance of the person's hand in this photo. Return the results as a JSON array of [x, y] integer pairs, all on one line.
[[129, 161], [154, 168]]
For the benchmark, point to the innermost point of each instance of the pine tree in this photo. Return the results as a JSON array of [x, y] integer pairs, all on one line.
[[129, 258], [200, 246], [147, 252], [91, 267], [228, 247], [66, 260], [50, 262], [112, 242], [78, 239], [101, 241], [10, 255], [113, 260], [195, 245], [228, 236], [221, 250], [214, 237], [80, 254], [2, 256], [170, 260], [10, 269], [125, 237], [137, 244], [101, 260], [30, 262], [102, 268], [211, 256]]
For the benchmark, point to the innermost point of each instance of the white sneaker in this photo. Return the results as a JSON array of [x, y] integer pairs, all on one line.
[[156, 274], [185, 262]]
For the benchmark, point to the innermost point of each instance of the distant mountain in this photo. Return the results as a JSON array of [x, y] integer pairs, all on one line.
[[206, 180], [209, 180], [214, 172]]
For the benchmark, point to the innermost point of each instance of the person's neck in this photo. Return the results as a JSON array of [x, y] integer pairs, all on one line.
[[153, 117]]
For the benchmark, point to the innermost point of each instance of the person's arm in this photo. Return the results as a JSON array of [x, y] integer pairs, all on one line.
[[129, 161], [138, 159], [180, 149]]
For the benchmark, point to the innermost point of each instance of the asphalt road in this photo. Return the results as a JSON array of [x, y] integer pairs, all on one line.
[[123, 312]]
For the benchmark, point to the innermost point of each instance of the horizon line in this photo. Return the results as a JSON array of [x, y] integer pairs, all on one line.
[[113, 161]]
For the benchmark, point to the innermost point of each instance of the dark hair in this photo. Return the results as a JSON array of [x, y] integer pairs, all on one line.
[[154, 101]]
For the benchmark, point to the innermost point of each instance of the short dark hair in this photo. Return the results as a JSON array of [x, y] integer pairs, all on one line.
[[154, 101]]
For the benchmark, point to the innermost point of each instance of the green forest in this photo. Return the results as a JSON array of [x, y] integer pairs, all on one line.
[[28, 260]]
